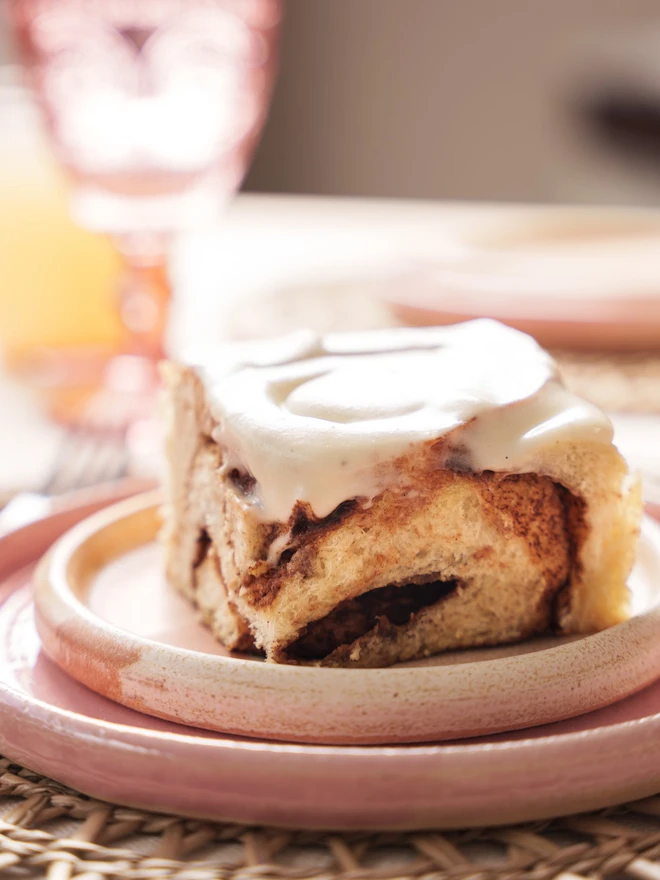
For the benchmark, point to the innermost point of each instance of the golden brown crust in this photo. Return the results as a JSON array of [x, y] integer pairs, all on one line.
[[511, 554], [522, 505], [216, 608]]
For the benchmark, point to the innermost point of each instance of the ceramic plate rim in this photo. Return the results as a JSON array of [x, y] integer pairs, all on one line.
[[435, 677], [51, 728]]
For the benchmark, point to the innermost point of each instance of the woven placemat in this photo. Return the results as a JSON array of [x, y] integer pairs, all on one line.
[[49, 831]]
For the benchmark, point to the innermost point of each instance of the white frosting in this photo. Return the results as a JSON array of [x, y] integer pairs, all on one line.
[[312, 417]]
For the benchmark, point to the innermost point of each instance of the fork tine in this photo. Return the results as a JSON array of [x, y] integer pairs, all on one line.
[[66, 454], [110, 463], [59, 461], [84, 459], [104, 461], [68, 465], [121, 464]]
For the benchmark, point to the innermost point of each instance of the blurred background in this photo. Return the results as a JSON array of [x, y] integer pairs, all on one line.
[[400, 133], [511, 101], [516, 101]]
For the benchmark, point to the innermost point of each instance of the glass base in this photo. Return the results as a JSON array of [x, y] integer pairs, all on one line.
[[91, 388]]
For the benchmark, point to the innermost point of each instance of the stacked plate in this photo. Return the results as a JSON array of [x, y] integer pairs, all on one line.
[[110, 684], [576, 278]]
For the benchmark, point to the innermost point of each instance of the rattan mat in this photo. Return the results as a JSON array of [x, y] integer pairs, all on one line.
[[47, 830]]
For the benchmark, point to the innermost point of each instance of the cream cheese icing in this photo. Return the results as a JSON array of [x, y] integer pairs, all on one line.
[[314, 418]]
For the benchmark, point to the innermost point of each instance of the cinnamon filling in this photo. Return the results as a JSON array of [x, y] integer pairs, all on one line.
[[356, 617], [243, 481], [203, 544]]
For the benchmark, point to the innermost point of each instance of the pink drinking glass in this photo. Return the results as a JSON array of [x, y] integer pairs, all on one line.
[[154, 108]]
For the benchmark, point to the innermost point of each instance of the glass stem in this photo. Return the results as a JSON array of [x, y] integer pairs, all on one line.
[[144, 294]]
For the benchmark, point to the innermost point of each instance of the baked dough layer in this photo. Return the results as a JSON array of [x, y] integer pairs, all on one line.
[[443, 558]]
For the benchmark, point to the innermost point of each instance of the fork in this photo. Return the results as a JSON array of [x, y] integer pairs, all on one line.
[[85, 458]]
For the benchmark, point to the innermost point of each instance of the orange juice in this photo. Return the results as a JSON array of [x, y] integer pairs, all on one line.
[[57, 282]]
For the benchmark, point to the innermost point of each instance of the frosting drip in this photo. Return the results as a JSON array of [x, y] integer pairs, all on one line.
[[312, 418]]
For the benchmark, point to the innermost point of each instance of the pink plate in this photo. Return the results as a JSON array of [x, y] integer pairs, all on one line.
[[56, 726], [575, 278], [107, 617]]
